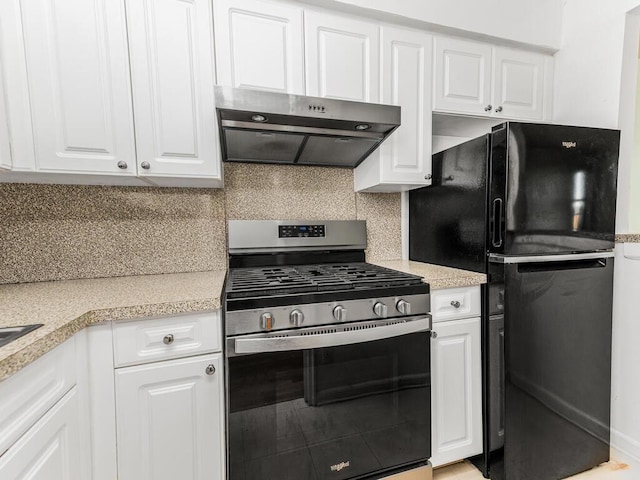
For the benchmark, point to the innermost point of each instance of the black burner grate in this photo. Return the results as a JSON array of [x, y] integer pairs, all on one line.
[[259, 282]]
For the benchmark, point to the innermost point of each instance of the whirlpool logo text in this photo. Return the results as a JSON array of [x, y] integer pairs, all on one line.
[[339, 466]]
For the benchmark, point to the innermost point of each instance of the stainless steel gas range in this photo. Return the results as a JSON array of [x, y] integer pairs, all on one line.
[[328, 371]]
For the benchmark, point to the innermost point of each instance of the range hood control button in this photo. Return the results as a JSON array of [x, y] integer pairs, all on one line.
[[296, 317], [380, 309], [266, 321], [340, 313], [403, 307]]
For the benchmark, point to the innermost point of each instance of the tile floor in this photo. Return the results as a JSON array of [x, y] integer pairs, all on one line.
[[613, 470]]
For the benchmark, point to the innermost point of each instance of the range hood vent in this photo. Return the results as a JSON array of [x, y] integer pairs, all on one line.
[[269, 127]]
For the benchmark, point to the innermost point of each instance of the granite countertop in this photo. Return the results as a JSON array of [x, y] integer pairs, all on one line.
[[65, 307], [436, 276], [627, 237]]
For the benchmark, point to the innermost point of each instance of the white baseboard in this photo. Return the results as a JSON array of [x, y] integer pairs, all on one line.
[[625, 448]]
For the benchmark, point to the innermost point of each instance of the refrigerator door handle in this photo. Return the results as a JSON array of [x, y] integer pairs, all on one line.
[[496, 228]]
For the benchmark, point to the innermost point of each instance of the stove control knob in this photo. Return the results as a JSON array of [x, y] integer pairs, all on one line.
[[266, 321], [380, 309], [403, 307], [296, 317], [340, 313]]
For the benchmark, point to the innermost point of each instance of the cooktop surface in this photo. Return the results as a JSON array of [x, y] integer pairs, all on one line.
[[286, 280]]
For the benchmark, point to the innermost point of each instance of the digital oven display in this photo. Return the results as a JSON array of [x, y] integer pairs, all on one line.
[[291, 231]]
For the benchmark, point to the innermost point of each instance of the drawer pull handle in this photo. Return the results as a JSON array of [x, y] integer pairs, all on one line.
[[455, 303], [210, 370], [168, 339]]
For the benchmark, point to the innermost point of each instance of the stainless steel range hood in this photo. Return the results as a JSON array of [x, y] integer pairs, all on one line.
[[268, 127]]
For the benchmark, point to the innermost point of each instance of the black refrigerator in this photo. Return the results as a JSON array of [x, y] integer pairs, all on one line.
[[533, 206]]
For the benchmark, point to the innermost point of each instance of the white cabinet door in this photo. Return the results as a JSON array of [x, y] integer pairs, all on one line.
[[78, 85], [52, 449], [406, 81], [5, 145], [259, 45], [342, 57], [169, 418], [404, 159], [518, 87], [171, 46], [456, 387], [462, 76]]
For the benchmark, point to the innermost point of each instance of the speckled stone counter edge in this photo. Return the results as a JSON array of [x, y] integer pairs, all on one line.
[[437, 276], [470, 281], [37, 348], [627, 237]]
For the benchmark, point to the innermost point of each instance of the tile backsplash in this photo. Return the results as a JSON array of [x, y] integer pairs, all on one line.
[[56, 232]]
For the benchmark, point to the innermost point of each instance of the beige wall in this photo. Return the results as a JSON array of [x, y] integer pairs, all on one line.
[[54, 232]]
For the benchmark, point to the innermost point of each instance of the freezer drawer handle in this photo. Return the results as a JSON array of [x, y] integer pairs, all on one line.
[[496, 234]]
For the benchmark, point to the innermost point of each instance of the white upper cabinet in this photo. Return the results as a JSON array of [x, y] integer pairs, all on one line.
[[16, 88], [342, 57], [69, 67], [259, 45], [462, 76], [5, 145], [518, 87], [77, 81], [404, 160], [171, 45], [479, 79]]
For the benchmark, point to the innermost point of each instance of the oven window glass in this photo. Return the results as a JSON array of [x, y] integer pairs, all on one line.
[[338, 412]]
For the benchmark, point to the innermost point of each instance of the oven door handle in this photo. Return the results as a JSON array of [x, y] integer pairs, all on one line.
[[322, 340]]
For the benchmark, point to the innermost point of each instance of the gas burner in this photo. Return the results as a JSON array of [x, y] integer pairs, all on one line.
[[271, 281]]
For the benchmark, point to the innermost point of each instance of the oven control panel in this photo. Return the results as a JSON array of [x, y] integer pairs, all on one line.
[[294, 231], [240, 322]]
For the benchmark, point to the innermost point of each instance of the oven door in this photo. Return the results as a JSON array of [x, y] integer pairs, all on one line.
[[336, 402]]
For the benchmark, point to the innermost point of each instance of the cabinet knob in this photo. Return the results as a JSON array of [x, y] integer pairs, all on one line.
[[455, 303], [168, 339], [488, 108], [434, 334], [145, 165], [499, 109], [428, 176], [122, 165], [210, 370]]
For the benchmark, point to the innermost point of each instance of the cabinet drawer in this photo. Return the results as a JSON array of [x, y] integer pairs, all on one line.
[[150, 340], [455, 303], [29, 393]]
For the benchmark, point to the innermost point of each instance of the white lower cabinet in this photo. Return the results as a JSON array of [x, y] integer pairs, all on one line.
[[456, 391], [169, 420], [51, 449]]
